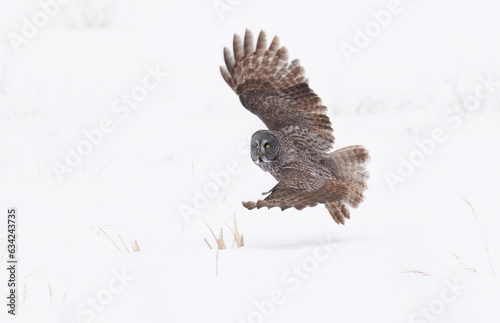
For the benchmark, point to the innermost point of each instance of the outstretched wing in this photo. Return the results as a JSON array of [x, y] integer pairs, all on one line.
[[277, 91], [298, 188]]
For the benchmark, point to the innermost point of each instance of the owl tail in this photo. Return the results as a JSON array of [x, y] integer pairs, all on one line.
[[351, 165]]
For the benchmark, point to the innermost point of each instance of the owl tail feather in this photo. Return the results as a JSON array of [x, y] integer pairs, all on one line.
[[351, 165]]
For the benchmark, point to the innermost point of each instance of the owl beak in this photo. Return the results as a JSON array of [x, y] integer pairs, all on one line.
[[260, 153]]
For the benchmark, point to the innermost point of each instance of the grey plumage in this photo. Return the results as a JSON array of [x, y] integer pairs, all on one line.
[[296, 148]]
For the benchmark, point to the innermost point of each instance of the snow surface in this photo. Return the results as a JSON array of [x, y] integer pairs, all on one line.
[[411, 248]]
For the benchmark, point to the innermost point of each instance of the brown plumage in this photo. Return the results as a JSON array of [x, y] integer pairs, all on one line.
[[296, 148]]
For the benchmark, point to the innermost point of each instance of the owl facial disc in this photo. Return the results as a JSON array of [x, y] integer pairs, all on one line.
[[264, 147]]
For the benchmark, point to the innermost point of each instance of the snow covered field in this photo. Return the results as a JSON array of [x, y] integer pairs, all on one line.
[[116, 127]]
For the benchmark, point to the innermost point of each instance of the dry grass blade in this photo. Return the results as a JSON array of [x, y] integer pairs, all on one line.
[[416, 272], [220, 241], [460, 262], [32, 273], [25, 291], [64, 296], [26, 279], [133, 243], [101, 165], [107, 236], [119, 236], [208, 244], [454, 255], [238, 238], [136, 246], [482, 236], [50, 290], [211, 231]]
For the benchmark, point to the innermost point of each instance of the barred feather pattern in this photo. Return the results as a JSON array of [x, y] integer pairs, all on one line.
[[351, 165], [338, 211], [277, 91], [287, 197]]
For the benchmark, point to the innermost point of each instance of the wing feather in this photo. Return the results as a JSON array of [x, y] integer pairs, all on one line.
[[249, 48], [300, 188], [238, 48], [277, 91]]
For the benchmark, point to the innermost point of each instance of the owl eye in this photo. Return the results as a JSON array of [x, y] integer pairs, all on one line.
[[268, 146]]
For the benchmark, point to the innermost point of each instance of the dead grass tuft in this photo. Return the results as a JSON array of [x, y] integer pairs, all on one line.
[[237, 237], [134, 246]]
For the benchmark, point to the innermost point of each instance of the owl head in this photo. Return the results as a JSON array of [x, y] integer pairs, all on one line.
[[264, 147]]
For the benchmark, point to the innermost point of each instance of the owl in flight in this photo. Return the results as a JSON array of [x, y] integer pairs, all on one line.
[[296, 149]]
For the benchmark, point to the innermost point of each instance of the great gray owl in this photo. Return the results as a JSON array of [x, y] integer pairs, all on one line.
[[296, 148]]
